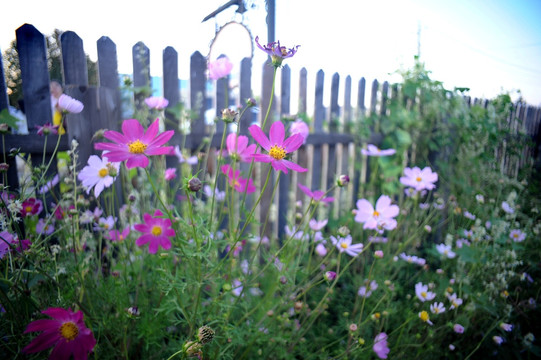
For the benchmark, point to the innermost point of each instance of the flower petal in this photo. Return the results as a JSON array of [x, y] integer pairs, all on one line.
[[260, 137], [132, 129], [293, 166], [293, 142], [277, 133]]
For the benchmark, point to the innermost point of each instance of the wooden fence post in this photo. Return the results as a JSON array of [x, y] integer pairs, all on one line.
[[358, 175], [245, 93], [171, 92], [285, 179], [334, 127], [141, 72], [319, 116], [302, 155], [198, 100]]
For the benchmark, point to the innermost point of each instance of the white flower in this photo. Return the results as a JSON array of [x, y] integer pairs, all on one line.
[[445, 250], [97, 174], [422, 292], [454, 300], [437, 308], [507, 208]]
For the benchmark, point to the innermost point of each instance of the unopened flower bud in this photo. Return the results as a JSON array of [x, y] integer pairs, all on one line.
[[3, 166], [4, 128], [205, 334], [353, 327], [298, 305], [192, 348], [131, 198], [283, 280], [229, 115], [378, 254], [250, 102], [194, 184], [342, 180], [330, 275], [112, 171], [133, 311], [343, 231]]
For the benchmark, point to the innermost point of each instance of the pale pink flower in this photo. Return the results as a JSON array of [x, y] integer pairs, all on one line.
[[192, 160], [238, 148], [156, 102], [380, 217], [422, 292], [44, 227], [454, 300], [445, 250], [170, 174], [220, 68], [97, 174], [343, 244], [6, 240], [498, 340], [321, 250], [300, 127], [69, 104], [419, 179], [134, 144], [459, 329], [330, 275], [117, 236], [47, 129], [378, 254], [380, 346], [49, 185], [507, 208], [517, 236], [277, 52], [373, 150], [317, 225], [277, 147]]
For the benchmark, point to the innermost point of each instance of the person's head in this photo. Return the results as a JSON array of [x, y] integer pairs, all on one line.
[[56, 88]]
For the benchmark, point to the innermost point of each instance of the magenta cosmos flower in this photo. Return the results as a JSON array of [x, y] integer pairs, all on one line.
[[6, 240], [31, 206], [277, 147], [316, 195], [276, 52], [117, 236], [134, 144], [380, 217], [47, 129], [66, 332], [236, 181], [373, 150], [156, 102], [156, 232], [98, 174], [380, 346], [238, 148], [69, 104], [419, 179], [220, 68]]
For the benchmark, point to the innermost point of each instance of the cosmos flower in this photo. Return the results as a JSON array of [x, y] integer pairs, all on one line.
[[117, 236], [454, 300], [459, 329], [156, 102], [192, 160], [437, 308], [373, 150], [277, 147], [507, 208], [517, 236], [44, 227], [156, 230], [238, 148], [98, 174], [380, 346], [316, 195], [219, 68], [423, 315], [317, 225], [380, 217], [422, 292], [170, 174], [300, 127], [236, 181], [6, 240], [66, 331], [445, 250], [47, 129], [134, 144], [69, 104], [343, 244], [276, 52], [419, 179], [31, 206]]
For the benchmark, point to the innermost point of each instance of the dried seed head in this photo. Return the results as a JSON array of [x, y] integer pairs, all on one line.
[[205, 334]]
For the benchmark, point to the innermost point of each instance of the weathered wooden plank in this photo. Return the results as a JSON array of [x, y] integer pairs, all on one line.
[[80, 126], [3, 88], [361, 107], [107, 63], [334, 126], [285, 179], [198, 66], [141, 72], [319, 117], [33, 143], [32, 51], [75, 70], [223, 100], [302, 156], [171, 89], [348, 111], [246, 93], [303, 81], [374, 97], [384, 98], [361, 113]]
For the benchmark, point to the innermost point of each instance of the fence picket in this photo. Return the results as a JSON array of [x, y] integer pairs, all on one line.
[[75, 70]]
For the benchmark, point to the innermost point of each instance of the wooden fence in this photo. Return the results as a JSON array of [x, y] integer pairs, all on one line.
[[329, 151]]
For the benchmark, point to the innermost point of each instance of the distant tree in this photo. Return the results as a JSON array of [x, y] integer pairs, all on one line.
[[54, 62]]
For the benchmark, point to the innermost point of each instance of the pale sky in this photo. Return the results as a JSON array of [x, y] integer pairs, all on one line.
[[489, 46]]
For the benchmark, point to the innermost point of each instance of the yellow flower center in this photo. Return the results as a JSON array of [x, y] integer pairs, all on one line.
[[156, 230], [375, 214], [103, 172], [423, 294], [515, 235], [436, 310], [29, 208], [455, 304], [344, 245], [137, 147], [69, 331], [277, 152], [418, 178], [424, 316]]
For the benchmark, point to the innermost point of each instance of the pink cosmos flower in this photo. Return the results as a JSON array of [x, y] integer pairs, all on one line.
[[380, 346], [300, 127], [66, 332], [192, 160], [419, 179], [236, 181], [317, 225], [422, 292], [98, 174], [170, 174], [220, 68], [373, 150], [156, 102], [445, 250], [238, 148], [105, 224], [49, 185], [330, 275], [134, 144], [380, 217], [459, 329], [44, 227], [69, 104], [156, 232], [117, 236], [321, 250], [316, 195], [47, 129], [6, 240], [31, 206], [277, 147], [517, 236], [343, 244], [276, 52]]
